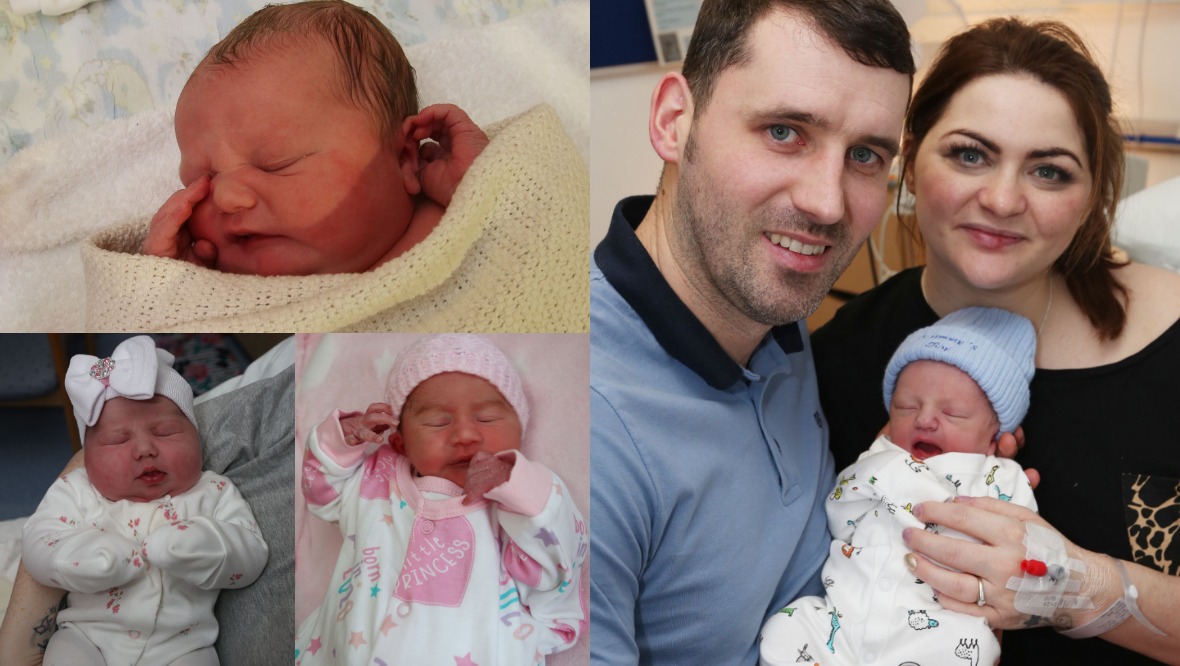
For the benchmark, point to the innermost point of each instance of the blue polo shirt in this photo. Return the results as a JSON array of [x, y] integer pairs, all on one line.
[[708, 479]]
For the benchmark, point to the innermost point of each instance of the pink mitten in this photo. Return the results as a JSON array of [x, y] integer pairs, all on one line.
[[484, 472], [370, 427]]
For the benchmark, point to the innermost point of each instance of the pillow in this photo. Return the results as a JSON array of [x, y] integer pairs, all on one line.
[[1147, 225], [249, 436]]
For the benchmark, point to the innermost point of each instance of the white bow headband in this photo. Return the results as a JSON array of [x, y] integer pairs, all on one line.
[[136, 370]]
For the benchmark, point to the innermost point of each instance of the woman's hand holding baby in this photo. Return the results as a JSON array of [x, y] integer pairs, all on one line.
[[370, 427], [484, 472], [1003, 534], [442, 165], [169, 236]]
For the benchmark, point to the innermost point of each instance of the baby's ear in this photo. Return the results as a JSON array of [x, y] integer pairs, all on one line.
[[993, 446], [407, 159], [395, 440]]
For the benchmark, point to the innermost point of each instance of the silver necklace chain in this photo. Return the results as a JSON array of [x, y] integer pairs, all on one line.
[[1048, 306], [1044, 316]]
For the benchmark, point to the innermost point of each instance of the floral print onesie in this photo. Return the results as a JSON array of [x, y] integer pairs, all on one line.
[[143, 577]]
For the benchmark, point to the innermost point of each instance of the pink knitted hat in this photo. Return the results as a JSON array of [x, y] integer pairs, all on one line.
[[453, 352]]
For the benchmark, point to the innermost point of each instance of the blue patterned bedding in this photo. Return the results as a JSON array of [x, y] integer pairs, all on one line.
[[115, 58]]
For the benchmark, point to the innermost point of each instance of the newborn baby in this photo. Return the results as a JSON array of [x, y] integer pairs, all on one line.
[[952, 389], [141, 538], [299, 148], [457, 548]]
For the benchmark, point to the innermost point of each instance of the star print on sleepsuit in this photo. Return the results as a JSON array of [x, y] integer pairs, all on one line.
[[357, 639]]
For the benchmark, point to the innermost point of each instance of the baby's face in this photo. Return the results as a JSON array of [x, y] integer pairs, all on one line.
[[301, 182], [449, 418], [937, 408], [141, 450]]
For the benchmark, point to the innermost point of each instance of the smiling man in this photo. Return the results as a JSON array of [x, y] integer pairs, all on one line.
[[709, 460]]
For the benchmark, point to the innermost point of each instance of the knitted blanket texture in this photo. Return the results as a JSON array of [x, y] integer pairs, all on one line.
[[508, 256]]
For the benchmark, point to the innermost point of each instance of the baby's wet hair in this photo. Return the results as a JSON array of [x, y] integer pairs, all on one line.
[[375, 74]]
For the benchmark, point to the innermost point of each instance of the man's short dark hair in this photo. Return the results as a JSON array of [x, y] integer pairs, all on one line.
[[871, 32]]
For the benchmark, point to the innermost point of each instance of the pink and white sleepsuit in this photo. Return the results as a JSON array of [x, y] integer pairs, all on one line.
[[423, 579]]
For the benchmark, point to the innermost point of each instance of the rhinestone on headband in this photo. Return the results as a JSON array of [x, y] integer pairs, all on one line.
[[102, 369]]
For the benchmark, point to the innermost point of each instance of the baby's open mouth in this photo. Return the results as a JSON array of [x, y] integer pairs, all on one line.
[[152, 476], [246, 238], [923, 450]]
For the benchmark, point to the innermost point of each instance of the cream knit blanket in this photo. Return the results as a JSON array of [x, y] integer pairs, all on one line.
[[55, 195], [509, 256]]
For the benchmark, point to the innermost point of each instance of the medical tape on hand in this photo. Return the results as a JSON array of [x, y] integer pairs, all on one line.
[[1117, 612], [1058, 588]]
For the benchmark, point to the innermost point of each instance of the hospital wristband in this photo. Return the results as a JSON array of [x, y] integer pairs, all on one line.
[[1116, 613]]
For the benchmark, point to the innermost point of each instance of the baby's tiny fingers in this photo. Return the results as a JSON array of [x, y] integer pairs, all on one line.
[[379, 422], [429, 151], [419, 126], [164, 232], [182, 201], [369, 436], [205, 252], [198, 189]]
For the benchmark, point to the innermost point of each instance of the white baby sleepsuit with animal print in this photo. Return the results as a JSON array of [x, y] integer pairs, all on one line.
[[875, 611]]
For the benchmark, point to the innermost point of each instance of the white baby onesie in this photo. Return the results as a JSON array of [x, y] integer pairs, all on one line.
[[143, 577], [875, 610]]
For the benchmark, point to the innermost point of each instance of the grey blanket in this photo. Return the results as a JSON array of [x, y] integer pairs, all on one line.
[[249, 436]]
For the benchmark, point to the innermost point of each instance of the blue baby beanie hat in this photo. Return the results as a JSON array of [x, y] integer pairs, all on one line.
[[995, 347]]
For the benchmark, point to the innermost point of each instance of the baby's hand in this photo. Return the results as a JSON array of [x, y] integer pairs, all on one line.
[[370, 427], [484, 472], [441, 165], [169, 236]]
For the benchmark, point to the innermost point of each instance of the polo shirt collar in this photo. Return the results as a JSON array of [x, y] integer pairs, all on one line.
[[629, 268]]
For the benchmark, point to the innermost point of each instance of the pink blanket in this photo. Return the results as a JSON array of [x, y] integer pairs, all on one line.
[[348, 371]]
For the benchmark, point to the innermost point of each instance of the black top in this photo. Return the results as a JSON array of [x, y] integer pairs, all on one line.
[[1106, 441]]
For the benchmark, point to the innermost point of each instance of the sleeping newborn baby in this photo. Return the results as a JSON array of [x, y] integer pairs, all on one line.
[[299, 149], [140, 538]]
